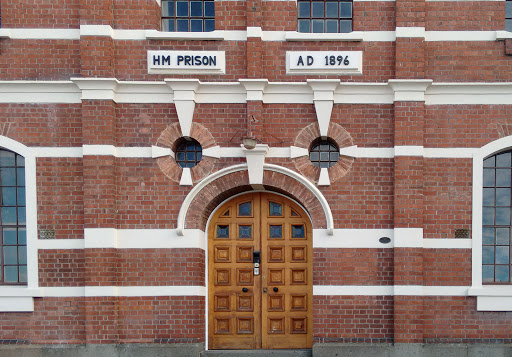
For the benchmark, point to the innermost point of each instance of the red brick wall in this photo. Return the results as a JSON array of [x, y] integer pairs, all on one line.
[[469, 16], [61, 267], [40, 14]]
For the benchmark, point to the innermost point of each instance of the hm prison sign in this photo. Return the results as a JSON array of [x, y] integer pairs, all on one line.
[[324, 62], [186, 62]]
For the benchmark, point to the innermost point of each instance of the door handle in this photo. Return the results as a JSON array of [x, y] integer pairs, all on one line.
[[265, 290], [245, 290], [276, 289]]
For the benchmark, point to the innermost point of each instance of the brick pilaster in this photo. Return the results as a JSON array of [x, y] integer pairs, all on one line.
[[410, 45]]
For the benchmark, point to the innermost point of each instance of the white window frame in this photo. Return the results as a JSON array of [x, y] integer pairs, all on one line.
[[21, 298], [489, 297]]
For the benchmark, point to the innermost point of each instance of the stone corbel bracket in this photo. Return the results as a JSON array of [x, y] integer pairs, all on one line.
[[409, 90], [255, 160], [185, 101], [254, 88], [97, 88], [323, 98]]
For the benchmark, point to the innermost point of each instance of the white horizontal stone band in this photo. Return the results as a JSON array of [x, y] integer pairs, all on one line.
[[397, 290], [123, 291], [234, 35]]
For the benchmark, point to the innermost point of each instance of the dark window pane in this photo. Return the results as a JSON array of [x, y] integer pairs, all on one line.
[[331, 9], [191, 156], [21, 196], [8, 196], [503, 177], [502, 255], [324, 156], [245, 209], [182, 25], [331, 26], [488, 216], [8, 215], [22, 255], [276, 231], [222, 231], [196, 25], [345, 10], [334, 156], [314, 156], [488, 196], [23, 274], [20, 160], [182, 9], [21, 216], [22, 236], [508, 9], [7, 158], [304, 26], [244, 231], [8, 176], [502, 197], [318, 26], [490, 162], [21, 176], [189, 152], [502, 236], [168, 9], [209, 25], [488, 255], [488, 236], [196, 8], [345, 26], [489, 177], [502, 273], [275, 209], [502, 216], [304, 9], [11, 274], [508, 25], [10, 255], [318, 9], [488, 273], [209, 9], [168, 25], [503, 160], [10, 236], [298, 231], [324, 164]]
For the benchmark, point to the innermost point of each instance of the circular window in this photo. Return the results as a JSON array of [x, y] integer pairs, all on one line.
[[188, 153], [324, 153]]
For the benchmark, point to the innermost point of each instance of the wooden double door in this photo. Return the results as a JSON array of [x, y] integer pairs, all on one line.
[[260, 274]]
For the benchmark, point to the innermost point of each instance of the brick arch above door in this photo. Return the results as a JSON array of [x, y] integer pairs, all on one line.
[[221, 185]]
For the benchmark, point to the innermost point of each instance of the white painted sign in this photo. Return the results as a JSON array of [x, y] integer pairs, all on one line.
[[324, 62], [186, 62]]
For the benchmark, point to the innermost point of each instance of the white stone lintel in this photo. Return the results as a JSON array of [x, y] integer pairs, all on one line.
[[5, 33], [97, 30], [184, 89], [97, 88], [409, 90], [255, 160], [350, 151], [157, 151], [213, 151], [323, 179], [186, 177], [296, 152], [323, 89], [254, 88]]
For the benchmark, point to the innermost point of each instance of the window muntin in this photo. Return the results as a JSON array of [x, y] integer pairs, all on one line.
[[327, 16], [508, 15], [13, 229], [188, 16], [324, 153], [496, 218], [188, 153]]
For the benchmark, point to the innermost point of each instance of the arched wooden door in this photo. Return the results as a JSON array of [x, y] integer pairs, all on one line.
[[272, 308]]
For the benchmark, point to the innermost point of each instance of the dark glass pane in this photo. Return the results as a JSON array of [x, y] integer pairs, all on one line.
[[21, 196], [22, 255], [488, 273], [503, 160], [182, 25], [275, 209], [490, 162], [489, 177], [503, 177], [191, 156], [11, 274], [276, 231], [508, 25], [222, 231], [10, 236], [304, 26], [180, 156], [314, 156], [209, 9], [502, 255], [245, 209], [190, 165], [209, 25], [8, 176], [304, 9], [488, 236], [8, 215], [318, 9], [10, 255], [488, 196], [488, 216], [182, 9], [199, 156], [8, 196], [488, 255], [318, 26], [324, 147], [7, 158], [23, 274], [502, 273], [22, 236], [20, 160], [168, 25], [502, 196], [324, 164], [298, 231], [503, 216], [345, 10], [21, 216], [244, 231], [196, 25], [331, 9], [226, 214], [168, 9], [345, 26], [334, 156], [502, 236], [324, 156], [508, 9], [196, 8], [331, 26], [21, 176]]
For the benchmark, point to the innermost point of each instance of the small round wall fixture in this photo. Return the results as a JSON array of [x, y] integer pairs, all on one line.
[[385, 240], [188, 152], [324, 153]]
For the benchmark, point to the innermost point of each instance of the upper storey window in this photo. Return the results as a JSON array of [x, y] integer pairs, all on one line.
[[508, 15], [188, 16], [328, 16]]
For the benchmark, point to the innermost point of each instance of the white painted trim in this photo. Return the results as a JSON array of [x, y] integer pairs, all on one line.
[[124, 291], [447, 243], [17, 304], [44, 34], [96, 30], [191, 36], [324, 179], [186, 177], [469, 36], [449, 153], [242, 167], [57, 151], [389, 290], [5, 33], [410, 32], [409, 151], [254, 32], [352, 238], [409, 90], [301, 36], [408, 237], [255, 159], [60, 244], [100, 237], [101, 150]]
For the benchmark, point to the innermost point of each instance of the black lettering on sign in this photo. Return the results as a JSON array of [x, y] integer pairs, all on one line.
[[310, 60], [156, 60], [300, 62], [180, 59], [166, 60]]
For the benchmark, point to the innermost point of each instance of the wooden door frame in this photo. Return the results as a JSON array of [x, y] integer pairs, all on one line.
[[206, 342]]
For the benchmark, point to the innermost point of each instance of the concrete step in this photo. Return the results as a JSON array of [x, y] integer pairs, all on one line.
[[257, 353]]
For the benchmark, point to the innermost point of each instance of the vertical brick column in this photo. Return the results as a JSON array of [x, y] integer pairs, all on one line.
[[408, 208], [254, 43], [254, 88], [410, 41]]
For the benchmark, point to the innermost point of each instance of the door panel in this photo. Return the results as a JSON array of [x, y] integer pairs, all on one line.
[[273, 309]]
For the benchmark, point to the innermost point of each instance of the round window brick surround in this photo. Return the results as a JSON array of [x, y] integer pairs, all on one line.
[[171, 137], [337, 134]]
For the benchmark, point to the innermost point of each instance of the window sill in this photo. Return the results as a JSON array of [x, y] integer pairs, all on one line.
[[194, 36], [300, 36], [492, 298], [5, 33], [503, 35], [18, 298]]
